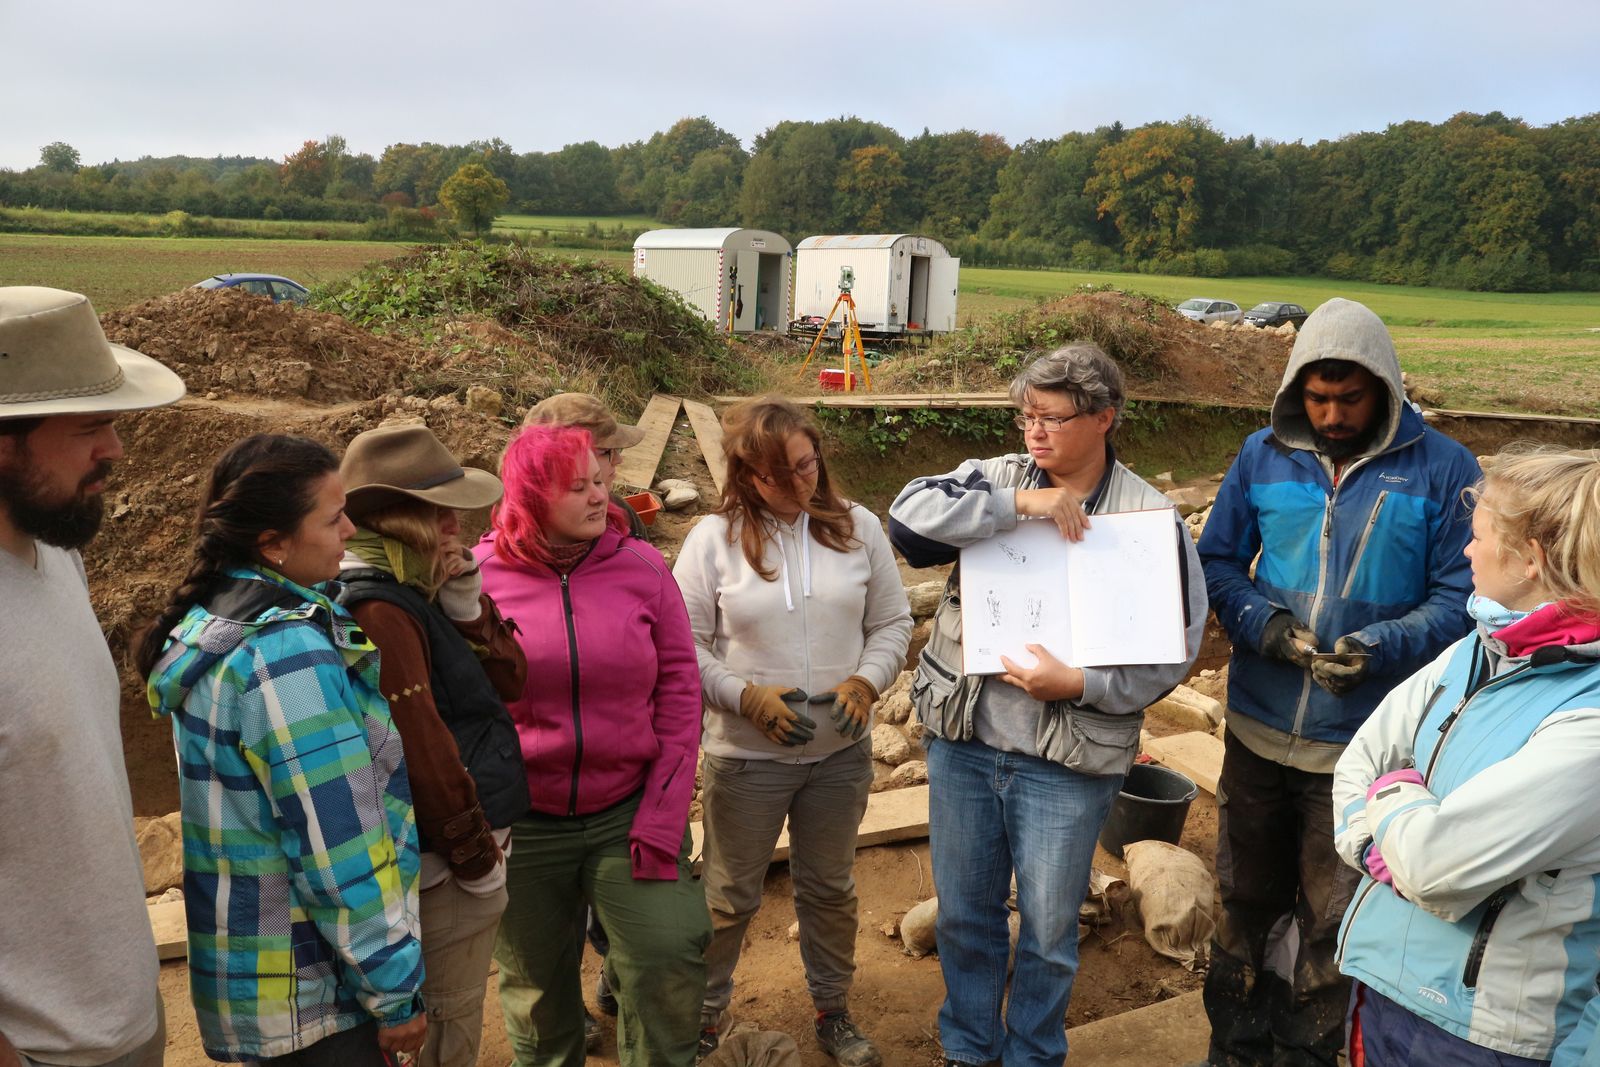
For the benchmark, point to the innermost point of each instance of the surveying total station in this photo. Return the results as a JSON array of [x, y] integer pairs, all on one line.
[[850, 334]]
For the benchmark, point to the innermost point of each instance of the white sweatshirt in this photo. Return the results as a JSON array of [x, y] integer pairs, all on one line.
[[825, 616]]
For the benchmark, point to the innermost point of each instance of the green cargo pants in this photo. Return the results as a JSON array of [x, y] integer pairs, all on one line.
[[658, 930]]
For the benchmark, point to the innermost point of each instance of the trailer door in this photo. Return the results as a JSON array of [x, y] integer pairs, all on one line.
[[944, 279], [744, 290]]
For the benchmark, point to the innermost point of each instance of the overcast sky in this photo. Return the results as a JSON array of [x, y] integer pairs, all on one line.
[[159, 77]]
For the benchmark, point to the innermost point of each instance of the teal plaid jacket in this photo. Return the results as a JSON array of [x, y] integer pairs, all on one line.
[[299, 846]]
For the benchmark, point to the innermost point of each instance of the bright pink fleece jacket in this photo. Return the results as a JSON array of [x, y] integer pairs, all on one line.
[[612, 703]]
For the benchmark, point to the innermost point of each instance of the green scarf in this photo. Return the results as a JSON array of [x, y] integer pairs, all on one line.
[[408, 566]]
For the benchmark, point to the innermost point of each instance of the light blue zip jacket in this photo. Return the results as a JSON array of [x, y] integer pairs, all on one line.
[[1377, 557], [1492, 928]]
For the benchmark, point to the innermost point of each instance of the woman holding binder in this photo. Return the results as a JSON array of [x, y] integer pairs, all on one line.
[[1023, 766], [800, 620]]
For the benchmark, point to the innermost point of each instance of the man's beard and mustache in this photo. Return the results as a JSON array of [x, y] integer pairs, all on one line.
[[71, 523], [1340, 449]]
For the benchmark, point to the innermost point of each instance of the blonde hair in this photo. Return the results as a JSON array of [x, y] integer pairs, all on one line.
[[415, 524], [1550, 496]]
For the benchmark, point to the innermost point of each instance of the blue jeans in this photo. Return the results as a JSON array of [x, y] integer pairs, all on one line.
[[991, 813]]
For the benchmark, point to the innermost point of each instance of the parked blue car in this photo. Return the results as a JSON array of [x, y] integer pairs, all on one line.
[[268, 285]]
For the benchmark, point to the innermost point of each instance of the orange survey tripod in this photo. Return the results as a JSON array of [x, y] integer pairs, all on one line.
[[850, 335]]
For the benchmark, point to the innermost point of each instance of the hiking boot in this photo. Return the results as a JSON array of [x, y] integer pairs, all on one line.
[[841, 1038], [593, 1035], [603, 996], [709, 1040]]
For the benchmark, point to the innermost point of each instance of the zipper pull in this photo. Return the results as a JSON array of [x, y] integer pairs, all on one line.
[[1327, 517]]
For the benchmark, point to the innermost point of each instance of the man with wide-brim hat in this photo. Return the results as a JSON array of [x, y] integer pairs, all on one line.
[[78, 967], [589, 412], [448, 662]]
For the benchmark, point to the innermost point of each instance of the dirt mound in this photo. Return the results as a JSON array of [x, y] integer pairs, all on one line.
[[1160, 351], [227, 341], [144, 547], [627, 336]]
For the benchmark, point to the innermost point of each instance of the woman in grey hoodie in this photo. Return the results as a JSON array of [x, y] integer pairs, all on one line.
[[1022, 767], [797, 609]]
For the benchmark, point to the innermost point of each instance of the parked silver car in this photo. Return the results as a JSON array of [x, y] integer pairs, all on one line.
[[1205, 309]]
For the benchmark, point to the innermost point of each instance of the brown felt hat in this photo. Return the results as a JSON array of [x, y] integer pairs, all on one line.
[[55, 360], [394, 463], [585, 412]]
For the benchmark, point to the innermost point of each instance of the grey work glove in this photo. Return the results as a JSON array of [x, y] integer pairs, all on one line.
[[1287, 638], [458, 596], [1339, 677], [775, 711]]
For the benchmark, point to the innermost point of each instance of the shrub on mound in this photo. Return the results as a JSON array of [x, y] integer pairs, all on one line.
[[629, 336]]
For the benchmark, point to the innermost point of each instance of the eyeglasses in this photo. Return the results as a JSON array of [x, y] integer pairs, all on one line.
[[804, 469], [609, 455], [1047, 423]]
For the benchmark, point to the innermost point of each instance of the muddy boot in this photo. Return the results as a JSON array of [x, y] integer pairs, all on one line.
[[842, 1039]]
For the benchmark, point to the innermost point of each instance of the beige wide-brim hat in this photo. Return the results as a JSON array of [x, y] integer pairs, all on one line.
[[55, 360], [586, 412], [394, 463]]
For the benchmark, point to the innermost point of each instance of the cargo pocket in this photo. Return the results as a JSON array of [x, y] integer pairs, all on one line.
[[1100, 744]]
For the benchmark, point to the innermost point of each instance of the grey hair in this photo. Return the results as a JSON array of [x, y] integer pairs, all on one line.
[[1081, 372]]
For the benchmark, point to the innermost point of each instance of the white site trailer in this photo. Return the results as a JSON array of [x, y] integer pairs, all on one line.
[[904, 283], [737, 278]]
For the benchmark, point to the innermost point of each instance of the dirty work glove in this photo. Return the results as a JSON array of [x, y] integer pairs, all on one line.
[[1287, 638], [852, 705], [775, 711], [1339, 678]]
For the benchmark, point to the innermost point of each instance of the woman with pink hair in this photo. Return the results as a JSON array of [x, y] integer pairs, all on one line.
[[609, 726]]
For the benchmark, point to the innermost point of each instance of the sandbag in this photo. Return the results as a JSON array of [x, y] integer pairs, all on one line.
[[1174, 892], [755, 1048], [917, 928]]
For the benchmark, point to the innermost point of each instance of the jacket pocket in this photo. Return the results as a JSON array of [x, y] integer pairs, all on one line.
[[1089, 741], [936, 686]]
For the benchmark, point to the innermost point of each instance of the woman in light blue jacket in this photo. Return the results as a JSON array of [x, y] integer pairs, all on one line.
[[1471, 800]]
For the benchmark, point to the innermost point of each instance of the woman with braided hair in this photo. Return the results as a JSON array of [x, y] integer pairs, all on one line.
[[300, 848]]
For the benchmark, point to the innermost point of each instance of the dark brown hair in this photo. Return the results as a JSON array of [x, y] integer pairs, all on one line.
[[755, 434], [261, 483]]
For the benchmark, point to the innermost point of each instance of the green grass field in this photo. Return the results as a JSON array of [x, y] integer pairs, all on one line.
[[559, 224], [1536, 352], [174, 224]]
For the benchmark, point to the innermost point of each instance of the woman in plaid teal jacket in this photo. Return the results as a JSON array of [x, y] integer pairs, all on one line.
[[300, 849]]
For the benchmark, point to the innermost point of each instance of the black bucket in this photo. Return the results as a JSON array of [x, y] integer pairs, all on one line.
[[1152, 806]]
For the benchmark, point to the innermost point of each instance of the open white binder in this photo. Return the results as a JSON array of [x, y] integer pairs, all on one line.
[[1113, 598]]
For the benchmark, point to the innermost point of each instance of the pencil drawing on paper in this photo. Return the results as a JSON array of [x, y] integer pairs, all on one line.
[[1014, 554], [996, 616], [1035, 612]]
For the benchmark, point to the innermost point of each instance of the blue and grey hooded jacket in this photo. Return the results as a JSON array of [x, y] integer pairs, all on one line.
[[1376, 556], [1491, 929], [300, 856]]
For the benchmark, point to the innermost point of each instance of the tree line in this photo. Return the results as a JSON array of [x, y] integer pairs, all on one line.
[[1478, 201]]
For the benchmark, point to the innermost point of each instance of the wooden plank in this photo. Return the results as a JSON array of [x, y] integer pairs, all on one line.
[[1510, 416], [639, 463], [893, 815], [1196, 754], [171, 930], [957, 401], [1168, 1031], [708, 431]]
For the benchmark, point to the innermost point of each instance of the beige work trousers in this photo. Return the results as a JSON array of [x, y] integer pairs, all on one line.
[[746, 802], [458, 931]]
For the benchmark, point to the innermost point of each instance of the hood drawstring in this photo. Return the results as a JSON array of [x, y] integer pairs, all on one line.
[[805, 560]]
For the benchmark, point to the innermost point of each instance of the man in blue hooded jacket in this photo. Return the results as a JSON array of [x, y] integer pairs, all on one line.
[[1356, 510]]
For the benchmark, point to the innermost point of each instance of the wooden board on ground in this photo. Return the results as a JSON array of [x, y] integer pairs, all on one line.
[[708, 431], [863, 398], [1199, 755], [893, 815], [639, 463], [1168, 1031], [171, 930]]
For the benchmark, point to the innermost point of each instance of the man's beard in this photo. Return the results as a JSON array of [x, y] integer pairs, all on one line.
[[1340, 449], [66, 524]]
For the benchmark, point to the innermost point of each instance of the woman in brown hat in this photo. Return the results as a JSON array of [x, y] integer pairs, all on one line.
[[448, 661]]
